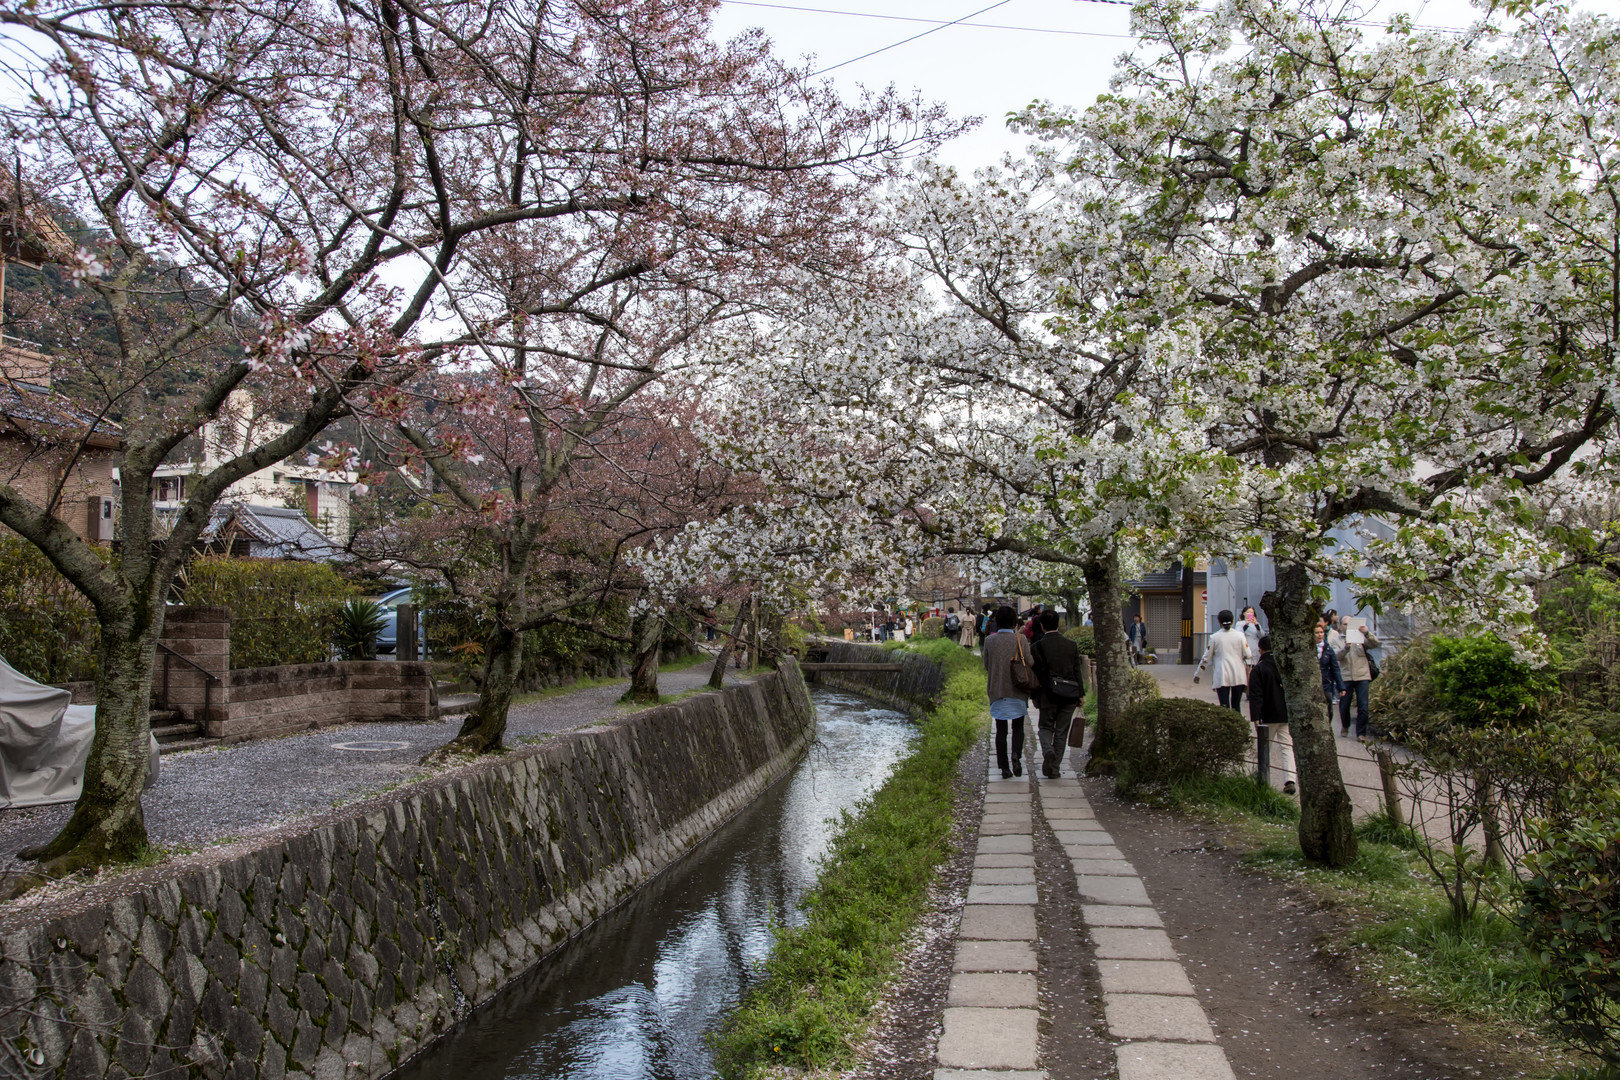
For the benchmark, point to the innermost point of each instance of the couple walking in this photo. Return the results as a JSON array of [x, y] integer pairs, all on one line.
[[1047, 669], [1241, 660]]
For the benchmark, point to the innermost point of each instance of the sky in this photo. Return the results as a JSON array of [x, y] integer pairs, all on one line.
[[993, 63]]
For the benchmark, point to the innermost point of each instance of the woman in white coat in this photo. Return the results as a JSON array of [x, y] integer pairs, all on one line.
[[1229, 659]]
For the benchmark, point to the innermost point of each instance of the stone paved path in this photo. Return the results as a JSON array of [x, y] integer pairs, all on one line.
[[992, 1019]]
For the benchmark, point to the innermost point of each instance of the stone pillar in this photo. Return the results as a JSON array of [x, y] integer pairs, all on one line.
[[201, 635]]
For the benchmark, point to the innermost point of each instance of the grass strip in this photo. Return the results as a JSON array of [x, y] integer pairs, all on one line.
[[1395, 928], [823, 978]]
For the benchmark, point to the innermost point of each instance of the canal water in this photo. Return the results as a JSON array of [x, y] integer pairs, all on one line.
[[634, 995]]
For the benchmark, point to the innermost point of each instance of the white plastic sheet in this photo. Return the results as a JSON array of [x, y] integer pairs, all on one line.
[[44, 742]]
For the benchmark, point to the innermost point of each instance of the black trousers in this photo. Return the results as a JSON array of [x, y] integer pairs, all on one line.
[[1002, 759], [1231, 697]]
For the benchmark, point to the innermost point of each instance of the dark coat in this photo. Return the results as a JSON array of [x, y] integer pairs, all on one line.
[[1266, 702], [1055, 656], [1332, 676]]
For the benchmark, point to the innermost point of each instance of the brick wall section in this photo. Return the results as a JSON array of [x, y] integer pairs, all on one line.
[[340, 948], [296, 697], [915, 688], [203, 636]]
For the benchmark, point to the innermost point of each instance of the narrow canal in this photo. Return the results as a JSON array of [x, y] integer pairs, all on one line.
[[634, 995]]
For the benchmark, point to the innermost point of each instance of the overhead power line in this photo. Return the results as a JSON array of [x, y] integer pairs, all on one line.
[[913, 37], [937, 24]]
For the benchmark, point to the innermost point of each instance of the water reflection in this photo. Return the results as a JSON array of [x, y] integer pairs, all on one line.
[[634, 995]]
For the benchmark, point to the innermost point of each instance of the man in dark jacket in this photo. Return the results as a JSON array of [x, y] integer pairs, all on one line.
[[1269, 711], [1057, 665]]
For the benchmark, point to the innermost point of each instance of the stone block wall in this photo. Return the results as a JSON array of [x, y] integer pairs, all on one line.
[[203, 636], [295, 697], [915, 688], [339, 948]]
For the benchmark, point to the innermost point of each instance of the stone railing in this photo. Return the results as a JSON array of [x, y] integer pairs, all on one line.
[[914, 688], [340, 946]]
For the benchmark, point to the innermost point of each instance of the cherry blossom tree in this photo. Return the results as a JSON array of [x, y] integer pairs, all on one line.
[[335, 195]]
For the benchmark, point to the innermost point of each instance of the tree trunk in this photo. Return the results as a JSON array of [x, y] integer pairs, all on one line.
[[1113, 662], [649, 638], [485, 727], [717, 675], [107, 825], [1392, 794], [1326, 830]]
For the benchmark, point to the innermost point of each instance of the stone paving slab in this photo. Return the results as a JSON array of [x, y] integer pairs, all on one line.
[[1113, 890], [1001, 894], [993, 862], [1023, 817], [1005, 828], [993, 990], [1058, 802], [1156, 1016], [1070, 813], [989, 1038], [1000, 798], [1007, 787], [1092, 851], [1076, 824], [1104, 867], [995, 956], [1009, 875], [997, 922], [1090, 838], [1171, 1061], [1110, 915], [1007, 845], [1132, 943], [1144, 977], [989, 1074]]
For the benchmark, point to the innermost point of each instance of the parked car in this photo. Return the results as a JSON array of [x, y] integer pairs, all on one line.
[[388, 636]]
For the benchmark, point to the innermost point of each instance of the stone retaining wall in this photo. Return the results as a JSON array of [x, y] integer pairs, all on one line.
[[915, 688], [340, 947], [295, 697]]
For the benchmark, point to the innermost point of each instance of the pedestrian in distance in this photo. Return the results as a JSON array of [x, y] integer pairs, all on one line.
[[953, 625], [1268, 708], [1008, 688], [985, 625], [1357, 668], [1227, 656], [1137, 636], [1249, 623], [1333, 687], [1057, 665], [1032, 623]]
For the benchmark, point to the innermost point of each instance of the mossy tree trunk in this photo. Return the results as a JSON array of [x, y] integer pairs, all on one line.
[[1103, 589], [1326, 829], [717, 675], [485, 726], [648, 634]]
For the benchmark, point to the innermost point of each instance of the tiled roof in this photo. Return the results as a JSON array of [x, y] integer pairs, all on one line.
[[275, 532], [25, 402]]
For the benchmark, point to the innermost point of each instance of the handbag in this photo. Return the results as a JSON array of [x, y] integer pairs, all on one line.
[[1372, 666], [1066, 689], [1023, 676], [1077, 731]]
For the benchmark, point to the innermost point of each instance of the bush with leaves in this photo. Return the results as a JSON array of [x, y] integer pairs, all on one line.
[[282, 611], [1570, 916], [1084, 638], [1166, 741], [49, 631], [1141, 687], [932, 628]]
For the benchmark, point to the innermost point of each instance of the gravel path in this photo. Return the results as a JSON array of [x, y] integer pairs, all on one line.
[[229, 792]]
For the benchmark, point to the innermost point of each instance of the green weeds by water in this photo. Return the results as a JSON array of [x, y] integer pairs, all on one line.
[[824, 977]]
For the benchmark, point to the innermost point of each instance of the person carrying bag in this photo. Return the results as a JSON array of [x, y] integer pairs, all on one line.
[[1057, 667], [1008, 681]]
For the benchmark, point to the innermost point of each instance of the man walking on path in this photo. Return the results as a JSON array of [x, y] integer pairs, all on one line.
[[1009, 703], [1269, 711], [1057, 665], [1357, 670]]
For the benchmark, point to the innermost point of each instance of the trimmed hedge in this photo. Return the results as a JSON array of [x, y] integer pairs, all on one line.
[[282, 611], [49, 631], [1172, 740]]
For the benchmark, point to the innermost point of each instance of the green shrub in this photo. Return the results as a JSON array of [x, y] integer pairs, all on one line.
[[49, 631], [1403, 697], [932, 628], [1478, 680], [1170, 740], [1570, 917], [1084, 638], [358, 624], [282, 611], [1244, 793], [1141, 687]]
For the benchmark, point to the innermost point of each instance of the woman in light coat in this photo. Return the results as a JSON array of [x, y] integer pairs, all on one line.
[[1229, 658]]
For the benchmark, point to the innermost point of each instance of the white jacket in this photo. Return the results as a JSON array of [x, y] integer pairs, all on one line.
[[1230, 651]]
